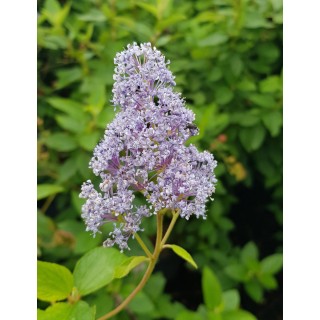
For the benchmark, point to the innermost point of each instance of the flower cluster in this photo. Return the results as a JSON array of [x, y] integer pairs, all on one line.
[[143, 150]]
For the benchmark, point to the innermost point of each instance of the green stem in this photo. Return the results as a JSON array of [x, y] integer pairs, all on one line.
[[133, 293], [175, 216], [160, 244], [143, 246], [157, 248], [47, 203], [152, 263]]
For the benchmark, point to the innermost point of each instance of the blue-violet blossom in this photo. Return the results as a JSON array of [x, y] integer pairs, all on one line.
[[143, 151]]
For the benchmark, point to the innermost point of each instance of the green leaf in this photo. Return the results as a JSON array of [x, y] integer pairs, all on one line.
[[278, 18], [82, 162], [88, 140], [246, 85], [172, 20], [149, 7], [66, 311], [126, 21], [207, 16], [96, 269], [67, 76], [45, 190], [97, 99], [67, 169], [201, 53], [212, 315], [223, 95], [184, 254], [237, 272], [273, 122], [51, 9], [104, 117], [70, 123], [53, 42], [188, 315], [166, 308], [77, 202], [205, 119], [272, 264], [129, 264], [45, 226], [102, 301], [249, 254], [53, 12], [231, 300], [225, 223], [211, 289], [82, 311], [54, 282], [68, 106], [83, 240], [142, 29], [263, 100], [63, 14], [40, 314], [270, 84], [254, 19], [162, 41], [245, 119], [155, 286], [216, 74], [236, 65], [60, 310], [268, 281], [141, 304], [213, 40], [93, 15], [269, 52], [52, 6], [61, 142], [238, 315], [276, 4], [254, 290], [252, 137]]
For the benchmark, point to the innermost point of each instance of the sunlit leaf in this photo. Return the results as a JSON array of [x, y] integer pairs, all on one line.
[[238, 315], [129, 264], [249, 254], [45, 190], [272, 264], [96, 269], [55, 282], [211, 289], [66, 311], [231, 300], [184, 254], [93, 15], [237, 272], [254, 290], [213, 40], [61, 142]]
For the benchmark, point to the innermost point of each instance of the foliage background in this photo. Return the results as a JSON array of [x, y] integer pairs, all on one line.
[[227, 59]]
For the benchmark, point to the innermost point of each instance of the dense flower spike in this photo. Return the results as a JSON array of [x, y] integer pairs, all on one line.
[[143, 151]]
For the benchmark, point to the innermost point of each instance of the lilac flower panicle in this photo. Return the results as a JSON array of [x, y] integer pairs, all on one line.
[[143, 151]]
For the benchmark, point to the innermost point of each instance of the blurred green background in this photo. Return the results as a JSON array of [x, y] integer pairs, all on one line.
[[227, 59]]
